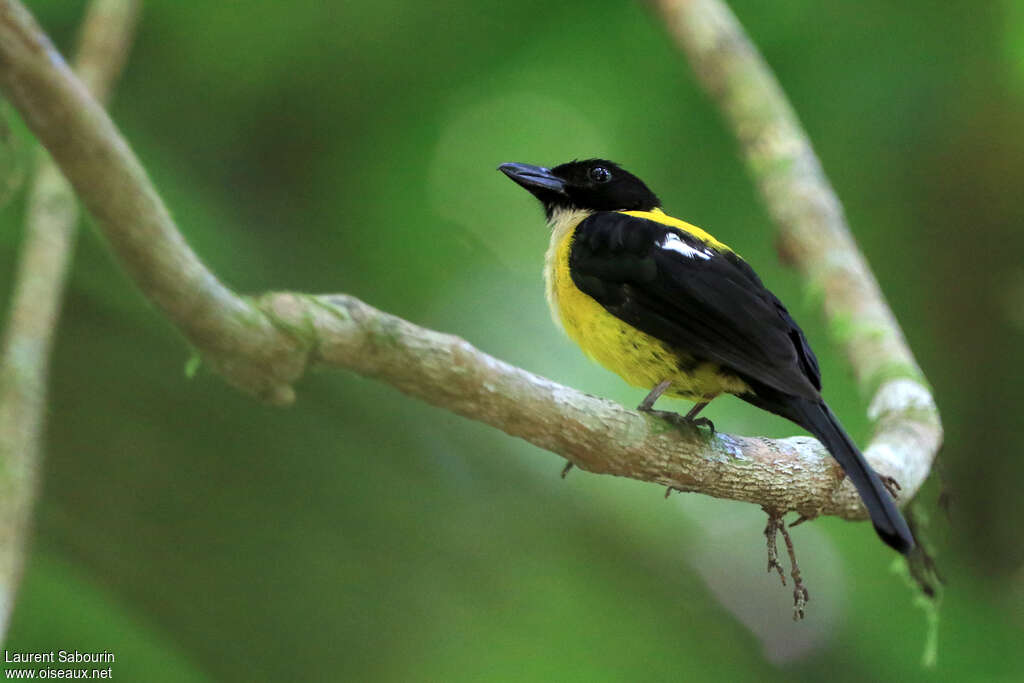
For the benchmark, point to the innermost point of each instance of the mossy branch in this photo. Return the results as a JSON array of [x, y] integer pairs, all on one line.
[[813, 234]]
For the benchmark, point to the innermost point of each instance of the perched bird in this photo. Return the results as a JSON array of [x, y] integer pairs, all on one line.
[[673, 310]]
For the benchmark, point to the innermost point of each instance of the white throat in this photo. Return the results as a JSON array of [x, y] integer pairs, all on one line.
[[561, 223]]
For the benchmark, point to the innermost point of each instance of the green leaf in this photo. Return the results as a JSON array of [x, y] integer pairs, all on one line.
[[192, 365]]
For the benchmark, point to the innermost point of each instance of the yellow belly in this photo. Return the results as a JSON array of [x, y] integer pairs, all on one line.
[[637, 357]]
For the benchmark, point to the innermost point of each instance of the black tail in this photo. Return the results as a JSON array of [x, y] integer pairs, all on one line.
[[815, 417]]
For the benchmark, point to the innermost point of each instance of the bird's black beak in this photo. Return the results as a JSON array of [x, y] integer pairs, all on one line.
[[536, 179]]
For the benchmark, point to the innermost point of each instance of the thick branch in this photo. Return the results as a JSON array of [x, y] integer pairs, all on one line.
[[264, 345], [593, 433], [35, 303]]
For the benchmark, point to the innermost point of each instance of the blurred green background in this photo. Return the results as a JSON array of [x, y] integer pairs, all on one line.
[[361, 535]]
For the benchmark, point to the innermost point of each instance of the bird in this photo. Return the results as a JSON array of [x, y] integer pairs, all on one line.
[[671, 309]]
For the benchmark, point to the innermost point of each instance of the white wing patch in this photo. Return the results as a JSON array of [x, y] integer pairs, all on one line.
[[671, 242]]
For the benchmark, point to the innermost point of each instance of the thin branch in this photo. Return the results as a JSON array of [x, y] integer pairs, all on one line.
[[235, 337], [813, 234], [104, 43], [35, 304], [263, 345]]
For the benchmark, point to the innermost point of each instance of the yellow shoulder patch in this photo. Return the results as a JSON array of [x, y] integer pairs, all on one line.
[[659, 216]]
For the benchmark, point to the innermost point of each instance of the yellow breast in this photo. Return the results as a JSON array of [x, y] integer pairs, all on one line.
[[637, 357]]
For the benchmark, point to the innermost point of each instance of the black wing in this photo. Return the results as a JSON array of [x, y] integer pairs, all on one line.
[[707, 303]]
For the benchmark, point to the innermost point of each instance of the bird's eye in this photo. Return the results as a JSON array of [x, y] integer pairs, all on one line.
[[600, 174]]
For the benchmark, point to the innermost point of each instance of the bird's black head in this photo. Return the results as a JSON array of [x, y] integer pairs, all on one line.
[[594, 184]]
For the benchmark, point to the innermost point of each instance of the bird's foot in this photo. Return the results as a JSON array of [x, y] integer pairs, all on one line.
[[568, 468], [682, 421], [689, 420], [771, 531], [702, 422]]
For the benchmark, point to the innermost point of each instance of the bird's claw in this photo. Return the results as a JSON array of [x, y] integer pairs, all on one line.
[[703, 422], [680, 421]]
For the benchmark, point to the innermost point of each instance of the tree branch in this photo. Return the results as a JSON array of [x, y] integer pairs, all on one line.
[[235, 337], [813, 235], [264, 345], [595, 434], [35, 305]]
